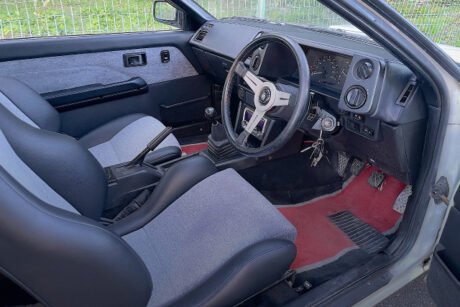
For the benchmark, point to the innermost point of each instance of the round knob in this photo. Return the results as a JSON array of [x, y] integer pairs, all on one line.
[[210, 114], [364, 69], [355, 97]]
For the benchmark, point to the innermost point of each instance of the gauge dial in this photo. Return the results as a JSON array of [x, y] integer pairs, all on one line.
[[328, 69]]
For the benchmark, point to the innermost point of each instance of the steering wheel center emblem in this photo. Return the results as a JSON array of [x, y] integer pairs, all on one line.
[[265, 95]]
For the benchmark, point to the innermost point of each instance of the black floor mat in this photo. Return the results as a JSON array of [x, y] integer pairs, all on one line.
[[292, 180], [363, 235]]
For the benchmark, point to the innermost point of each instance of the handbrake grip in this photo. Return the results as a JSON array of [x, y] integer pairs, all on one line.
[[150, 146]]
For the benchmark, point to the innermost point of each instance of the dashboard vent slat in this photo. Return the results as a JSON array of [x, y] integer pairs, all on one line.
[[201, 34], [407, 93]]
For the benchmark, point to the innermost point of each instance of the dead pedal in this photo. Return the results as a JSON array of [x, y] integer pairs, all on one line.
[[357, 166], [376, 179]]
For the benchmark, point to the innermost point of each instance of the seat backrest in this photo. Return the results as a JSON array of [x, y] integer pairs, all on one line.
[[57, 255], [28, 105], [60, 161], [52, 192]]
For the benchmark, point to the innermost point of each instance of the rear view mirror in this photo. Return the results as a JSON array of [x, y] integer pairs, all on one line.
[[164, 12]]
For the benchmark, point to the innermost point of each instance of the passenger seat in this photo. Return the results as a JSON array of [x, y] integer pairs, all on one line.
[[116, 142]]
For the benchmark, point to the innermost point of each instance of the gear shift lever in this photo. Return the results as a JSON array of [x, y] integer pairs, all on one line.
[[211, 115], [219, 146]]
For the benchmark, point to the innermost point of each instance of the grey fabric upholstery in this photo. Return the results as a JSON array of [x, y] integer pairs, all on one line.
[[130, 139], [210, 236], [115, 142], [202, 230]]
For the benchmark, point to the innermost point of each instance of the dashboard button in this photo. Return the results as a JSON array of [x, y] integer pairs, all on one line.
[[357, 117], [368, 131]]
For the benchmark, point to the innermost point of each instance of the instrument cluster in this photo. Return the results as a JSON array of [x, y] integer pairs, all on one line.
[[328, 69]]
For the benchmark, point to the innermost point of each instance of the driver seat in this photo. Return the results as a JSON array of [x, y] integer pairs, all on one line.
[[115, 142], [203, 238]]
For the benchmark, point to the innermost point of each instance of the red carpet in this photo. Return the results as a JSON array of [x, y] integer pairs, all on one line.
[[318, 239], [192, 148]]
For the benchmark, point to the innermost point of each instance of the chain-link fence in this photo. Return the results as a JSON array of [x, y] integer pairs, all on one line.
[[439, 19]]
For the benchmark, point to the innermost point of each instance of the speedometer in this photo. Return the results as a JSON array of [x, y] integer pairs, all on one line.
[[325, 70], [328, 69]]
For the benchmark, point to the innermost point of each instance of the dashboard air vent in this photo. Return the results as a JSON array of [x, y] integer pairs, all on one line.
[[407, 93], [201, 34]]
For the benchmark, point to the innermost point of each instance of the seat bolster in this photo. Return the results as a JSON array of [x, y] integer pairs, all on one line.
[[255, 268], [65, 259], [31, 104], [178, 179], [105, 132]]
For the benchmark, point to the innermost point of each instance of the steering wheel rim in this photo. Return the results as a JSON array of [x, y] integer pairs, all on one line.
[[301, 102]]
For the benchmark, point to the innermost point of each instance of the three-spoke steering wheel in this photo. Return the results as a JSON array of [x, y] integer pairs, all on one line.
[[267, 96]]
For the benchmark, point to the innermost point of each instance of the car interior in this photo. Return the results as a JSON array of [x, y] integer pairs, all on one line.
[[245, 163]]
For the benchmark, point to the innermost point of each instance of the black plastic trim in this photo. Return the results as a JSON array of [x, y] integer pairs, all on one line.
[[83, 96]]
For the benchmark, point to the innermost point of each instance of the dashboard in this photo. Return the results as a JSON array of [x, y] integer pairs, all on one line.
[[376, 102]]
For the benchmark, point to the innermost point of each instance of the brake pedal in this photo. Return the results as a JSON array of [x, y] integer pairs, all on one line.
[[376, 179]]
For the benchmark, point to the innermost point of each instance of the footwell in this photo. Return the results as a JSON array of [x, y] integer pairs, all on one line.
[[351, 221], [192, 148]]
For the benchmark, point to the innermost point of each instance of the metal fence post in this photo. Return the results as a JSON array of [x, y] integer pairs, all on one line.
[[261, 9]]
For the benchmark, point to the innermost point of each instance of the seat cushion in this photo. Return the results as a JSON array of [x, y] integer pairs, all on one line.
[[202, 230], [120, 140]]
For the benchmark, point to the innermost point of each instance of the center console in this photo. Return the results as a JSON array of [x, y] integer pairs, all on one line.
[[126, 182]]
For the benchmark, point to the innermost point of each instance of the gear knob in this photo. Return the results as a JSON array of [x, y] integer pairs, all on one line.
[[211, 114]]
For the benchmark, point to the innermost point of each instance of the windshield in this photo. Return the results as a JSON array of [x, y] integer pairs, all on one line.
[[438, 19], [309, 13]]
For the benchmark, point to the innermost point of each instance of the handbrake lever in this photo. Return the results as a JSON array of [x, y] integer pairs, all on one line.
[[150, 146]]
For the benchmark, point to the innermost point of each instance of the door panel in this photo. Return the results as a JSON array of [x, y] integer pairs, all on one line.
[[87, 80], [444, 274], [80, 121], [56, 73]]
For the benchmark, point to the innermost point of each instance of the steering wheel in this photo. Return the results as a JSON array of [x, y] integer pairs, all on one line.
[[267, 97]]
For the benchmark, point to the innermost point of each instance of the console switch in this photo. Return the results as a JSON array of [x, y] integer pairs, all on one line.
[[368, 131]]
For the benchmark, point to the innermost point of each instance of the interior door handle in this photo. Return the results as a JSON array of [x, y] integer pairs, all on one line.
[[134, 59]]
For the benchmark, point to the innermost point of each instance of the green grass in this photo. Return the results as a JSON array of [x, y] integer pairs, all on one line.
[[439, 19], [26, 18]]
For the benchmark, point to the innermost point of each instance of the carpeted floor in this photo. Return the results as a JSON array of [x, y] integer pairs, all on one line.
[[192, 148], [320, 241]]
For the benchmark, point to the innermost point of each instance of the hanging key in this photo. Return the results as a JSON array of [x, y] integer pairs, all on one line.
[[319, 142], [317, 158]]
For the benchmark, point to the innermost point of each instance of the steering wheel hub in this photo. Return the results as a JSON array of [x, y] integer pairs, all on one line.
[[265, 96]]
